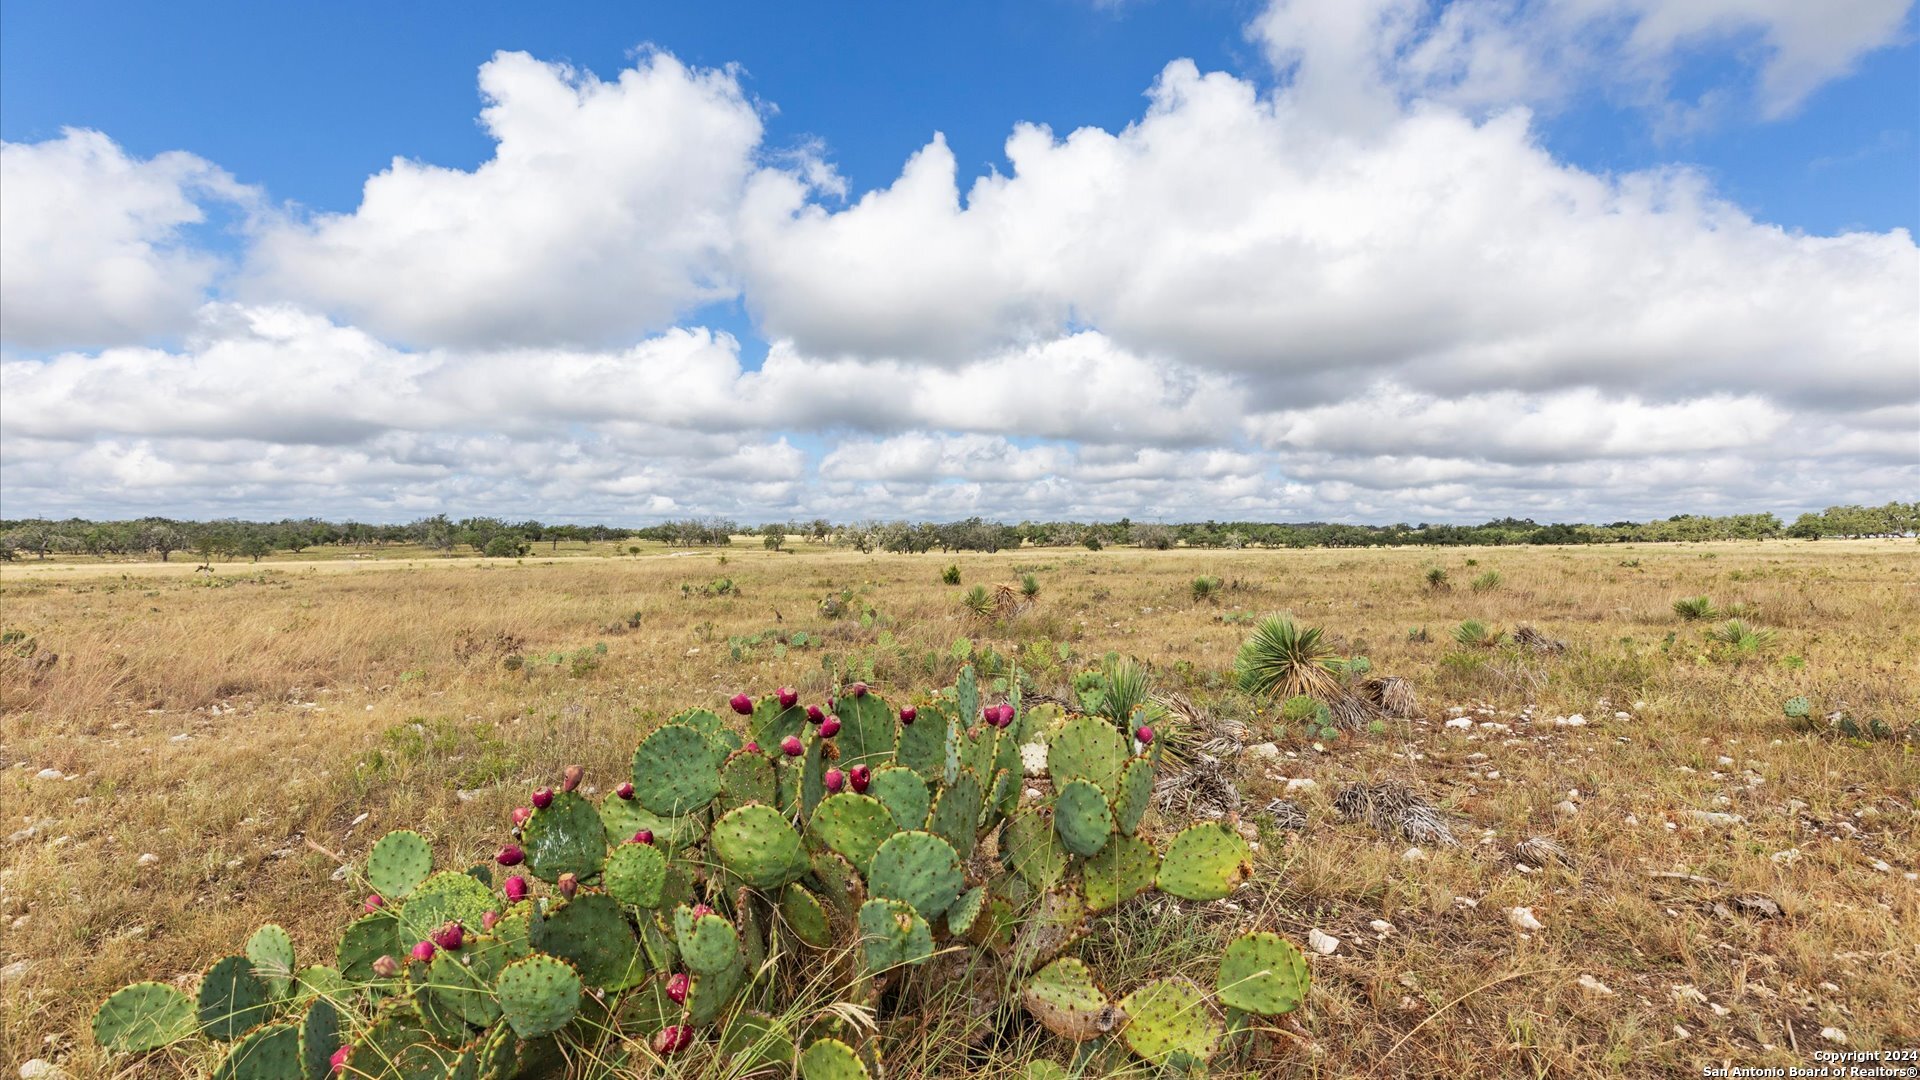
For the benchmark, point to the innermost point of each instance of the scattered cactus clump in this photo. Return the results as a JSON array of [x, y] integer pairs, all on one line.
[[744, 900]]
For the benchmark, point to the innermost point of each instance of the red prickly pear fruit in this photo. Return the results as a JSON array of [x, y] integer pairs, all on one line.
[[815, 714], [834, 780], [568, 885], [751, 747], [489, 920], [423, 952], [516, 889], [700, 910], [677, 987], [1006, 715], [520, 816], [386, 967], [1145, 735], [788, 697], [672, 1039], [449, 937], [571, 778], [543, 798], [860, 776], [909, 714], [511, 855], [829, 727], [625, 790], [374, 902], [339, 1059], [791, 747], [742, 704], [644, 836], [858, 689]]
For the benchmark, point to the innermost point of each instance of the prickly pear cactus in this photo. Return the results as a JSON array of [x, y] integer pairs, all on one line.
[[538, 995], [144, 1016]]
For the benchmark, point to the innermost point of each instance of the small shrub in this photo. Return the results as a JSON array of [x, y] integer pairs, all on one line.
[[1282, 658], [1694, 608], [1029, 586], [1419, 635], [950, 576], [978, 602], [1486, 582], [1740, 637], [1205, 588], [1475, 634], [1437, 580]]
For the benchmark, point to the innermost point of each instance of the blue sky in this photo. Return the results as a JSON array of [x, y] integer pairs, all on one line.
[[1653, 122]]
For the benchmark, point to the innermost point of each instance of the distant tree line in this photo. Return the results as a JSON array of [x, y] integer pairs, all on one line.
[[497, 537]]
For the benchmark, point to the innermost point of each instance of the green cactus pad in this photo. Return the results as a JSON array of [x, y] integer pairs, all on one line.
[[1005, 798], [319, 1038], [750, 918], [831, 1059], [1088, 748], [868, 731], [647, 1008], [756, 843], [1067, 1001], [770, 724], [966, 696], [709, 993], [1263, 973], [267, 1053], [905, 795], [144, 1016], [755, 1041], [966, 909], [1058, 921], [397, 1047], [1082, 818], [449, 896], [977, 751], [788, 776], [317, 980], [675, 770], [656, 941], [1205, 862], [635, 874], [840, 884], [813, 776], [746, 778], [1044, 1070], [590, 932], [956, 814], [1169, 1023], [892, 934], [922, 744], [271, 950], [624, 817], [538, 995], [710, 726], [1797, 708], [806, 917], [443, 1024], [708, 943], [365, 940], [1134, 794], [401, 860], [918, 868], [568, 837], [1125, 868], [233, 1000], [853, 825], [1030, 846]]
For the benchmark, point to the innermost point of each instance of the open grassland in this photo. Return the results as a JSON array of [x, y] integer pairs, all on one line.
[[205, 727]]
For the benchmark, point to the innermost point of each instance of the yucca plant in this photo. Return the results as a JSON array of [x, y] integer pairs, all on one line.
[[1694, 608], [1206, 588], [1486, 582], [1738, 635], [1029, 586], [979, 602], [1475, 634], [950, 576], [1437, 580], [1286, 660]]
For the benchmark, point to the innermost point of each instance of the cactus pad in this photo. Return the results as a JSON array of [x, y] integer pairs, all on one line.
[[624, 817], [831, 1059], [893, 934], [319, 1038], [365, 940], [806, 917], [966, 909], [708, 943], [144, 1016], [267, 1053], [956, 814], [635, 874], [1205, 862], [318, 980], [756, 843], [233, 1000], [592, 933], [853, 825], [1067, 1001], [461, 982], [746, 778], [448, 896], [1125, 868], [922, 744], [770, 723], [1797, 708], [674, 770], [1082, 818], [1058, 921], [1134, 794], [1169, 1023], [1031, 848], [397, 1046], [401, 860], [905, 795], [709, 993], [567, 837], [271, 950], [754, 1041], [1087, 748], [917, 868], [1263, 973], [867, 730], [538, 995], [840, 883]]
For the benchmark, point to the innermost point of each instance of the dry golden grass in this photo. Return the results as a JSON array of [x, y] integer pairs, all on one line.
[[222, 724]]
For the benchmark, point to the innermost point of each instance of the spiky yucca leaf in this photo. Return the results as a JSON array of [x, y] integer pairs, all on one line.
[[1694, 608], [1286, 660], [978, 601], [1741, 636], [1206, 588], [1475, 634]]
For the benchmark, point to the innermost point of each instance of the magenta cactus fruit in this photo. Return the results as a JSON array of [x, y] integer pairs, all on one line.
[[672, 1039], [860, 776], [829, 727], [701, 910], [543, 798], [742, 704], [449, 937], [908, 714], [625, 790], [1145, 735], [677, 986], [423, 952], [644, 836], [571, 777], [339, 1059], [791, 746], [386, 967], [568, 885], [511, 855], [374, 902], [751, 747], [520, 816], [834, 780], [1006, 715], [788, 697], [858, 689], [516, 889], [488, 920], [815, 714]]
